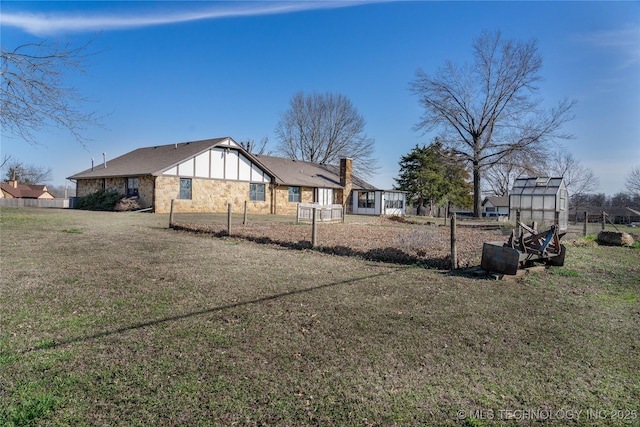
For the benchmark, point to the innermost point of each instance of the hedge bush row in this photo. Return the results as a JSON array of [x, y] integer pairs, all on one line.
[[106, 200]]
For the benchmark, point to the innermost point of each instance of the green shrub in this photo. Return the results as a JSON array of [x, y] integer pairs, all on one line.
[[101, 200]]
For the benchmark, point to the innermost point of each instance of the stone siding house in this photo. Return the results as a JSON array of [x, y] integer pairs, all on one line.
[[207, 175]]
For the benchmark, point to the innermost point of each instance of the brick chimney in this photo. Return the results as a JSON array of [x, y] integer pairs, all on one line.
[[346, 181]]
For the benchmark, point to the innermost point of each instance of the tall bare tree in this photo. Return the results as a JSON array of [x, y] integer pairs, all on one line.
[[633, 181], [578, 178], [488, 109], [251, 146], [324, 127], [499, 178], [34, 94], [27, 174], [5, 159]]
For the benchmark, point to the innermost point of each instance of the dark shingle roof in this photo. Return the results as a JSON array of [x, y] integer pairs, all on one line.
[[308, 174], [155, 160], [149, 160]]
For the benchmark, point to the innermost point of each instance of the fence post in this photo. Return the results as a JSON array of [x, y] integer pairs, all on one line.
[[244, 219], [604, 220], [454, 252], [584, 225], [314, 229], [518, 231], [297, 213], [344, 212], [171, 215], [229, 219]]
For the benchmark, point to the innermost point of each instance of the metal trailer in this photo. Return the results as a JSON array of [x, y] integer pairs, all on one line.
[[523, 249]]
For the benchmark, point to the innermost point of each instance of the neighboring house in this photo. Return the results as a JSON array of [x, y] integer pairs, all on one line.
[[495, 206], [206, 176], [13, 190]]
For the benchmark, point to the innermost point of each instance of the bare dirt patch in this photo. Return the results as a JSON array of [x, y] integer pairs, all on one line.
[[380, 239]]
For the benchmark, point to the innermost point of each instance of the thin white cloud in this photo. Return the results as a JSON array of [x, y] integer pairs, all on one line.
[[49, 23], [624, 40]]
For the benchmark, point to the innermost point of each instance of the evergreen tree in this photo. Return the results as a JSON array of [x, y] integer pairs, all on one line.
[[433, 175]]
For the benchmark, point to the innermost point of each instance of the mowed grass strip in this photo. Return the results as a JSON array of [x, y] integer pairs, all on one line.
[[130, 323]]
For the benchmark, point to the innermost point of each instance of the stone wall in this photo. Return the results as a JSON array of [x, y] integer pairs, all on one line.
[[208, 195], [284, 206], [145, 191], [84, 187]]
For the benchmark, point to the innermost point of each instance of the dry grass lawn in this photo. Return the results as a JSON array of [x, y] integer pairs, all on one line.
[[115, 319]]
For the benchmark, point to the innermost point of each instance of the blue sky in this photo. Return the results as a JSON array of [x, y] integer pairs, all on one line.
[[169, 72]]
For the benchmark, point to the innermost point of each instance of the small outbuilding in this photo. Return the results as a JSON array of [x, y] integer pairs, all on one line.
[[378, 202], [541, 199], [495, 206]]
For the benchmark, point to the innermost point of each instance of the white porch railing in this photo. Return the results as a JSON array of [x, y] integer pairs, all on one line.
[[325, 213]]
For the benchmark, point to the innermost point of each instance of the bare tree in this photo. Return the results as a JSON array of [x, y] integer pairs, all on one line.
[[499, 178], [584, 200], [622, 199], [61, 191], [33, 92], [578, 178], [633, 181], [250, 146], [488, 109], [323, 128], [27, 174], [5, 159]]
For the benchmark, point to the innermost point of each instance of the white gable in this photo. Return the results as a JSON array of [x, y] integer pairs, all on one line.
[[220, 163], [231, 165], [229, 143]]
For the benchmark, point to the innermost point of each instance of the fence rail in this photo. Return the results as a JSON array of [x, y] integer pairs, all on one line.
[[325, 213], [34, 203]]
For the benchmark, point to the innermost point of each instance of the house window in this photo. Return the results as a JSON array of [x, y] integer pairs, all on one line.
[[490, 209], [132, 187], [185, 188], [294, 194], [256, 192], [393, 201], [366, 199]]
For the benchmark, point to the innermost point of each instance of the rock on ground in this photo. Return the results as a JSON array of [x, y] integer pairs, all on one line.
[[615, 238]]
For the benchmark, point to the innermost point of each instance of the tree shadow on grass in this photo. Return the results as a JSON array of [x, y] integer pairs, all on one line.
[[49, 344]]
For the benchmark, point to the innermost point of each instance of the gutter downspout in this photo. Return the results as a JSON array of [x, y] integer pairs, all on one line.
[[274, 200]]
